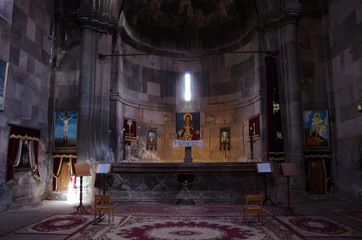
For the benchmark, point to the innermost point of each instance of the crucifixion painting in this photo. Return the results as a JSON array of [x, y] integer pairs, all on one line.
[[65, 129]]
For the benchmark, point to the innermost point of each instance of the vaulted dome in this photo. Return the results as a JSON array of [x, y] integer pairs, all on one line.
[[186, 25]]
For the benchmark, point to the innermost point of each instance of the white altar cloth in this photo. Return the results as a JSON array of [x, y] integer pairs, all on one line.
[[188, 143]]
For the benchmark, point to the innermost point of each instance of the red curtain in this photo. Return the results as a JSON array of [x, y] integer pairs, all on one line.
[[130, 130], [57, 164], [27, 134], [12, 151], [274, 133]]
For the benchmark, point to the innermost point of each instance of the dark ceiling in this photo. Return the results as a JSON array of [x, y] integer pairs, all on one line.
[[186, 25]]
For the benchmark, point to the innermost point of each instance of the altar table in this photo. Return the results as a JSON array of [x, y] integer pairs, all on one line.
[[187, 144]]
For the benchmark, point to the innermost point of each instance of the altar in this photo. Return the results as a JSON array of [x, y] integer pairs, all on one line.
[[187, 144]]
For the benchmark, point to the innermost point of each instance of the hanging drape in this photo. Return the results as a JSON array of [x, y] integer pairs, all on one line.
[[274, 133], [130, 130], [57, 166], [18, 137]]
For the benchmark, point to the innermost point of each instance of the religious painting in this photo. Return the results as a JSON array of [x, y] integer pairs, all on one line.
[[188, 126], [129, 130], [316, 129], [254, 127], [3, 77], [151, 139], [225, 138], [65, 129]]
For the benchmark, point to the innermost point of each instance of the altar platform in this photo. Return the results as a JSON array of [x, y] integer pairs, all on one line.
[[157, 182], [183, 167]]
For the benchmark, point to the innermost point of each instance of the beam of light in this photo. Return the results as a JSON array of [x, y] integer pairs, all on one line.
[[73, 195]]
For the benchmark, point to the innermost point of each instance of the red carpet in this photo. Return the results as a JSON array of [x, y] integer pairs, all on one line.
[[181, 222], [186, 228], [355, 214], [318, 226]]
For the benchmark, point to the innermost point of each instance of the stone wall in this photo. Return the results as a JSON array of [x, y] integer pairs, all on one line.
[[24, 31], [343, 29]]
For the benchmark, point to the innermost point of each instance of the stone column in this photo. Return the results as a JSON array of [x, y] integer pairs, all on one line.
[[92, 134], [293, 110], [93, 113], [280, 27], [87, 142]]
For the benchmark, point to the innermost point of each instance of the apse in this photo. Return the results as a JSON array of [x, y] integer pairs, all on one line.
[[224, 87]]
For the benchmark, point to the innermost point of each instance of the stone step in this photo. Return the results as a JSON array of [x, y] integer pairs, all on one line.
[[26, 202]]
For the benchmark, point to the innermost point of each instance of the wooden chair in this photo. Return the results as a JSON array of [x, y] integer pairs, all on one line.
[[102, 203], [254, 204]]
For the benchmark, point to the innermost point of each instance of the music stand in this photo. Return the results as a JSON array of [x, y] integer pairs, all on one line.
[[288, 170], [81, 170], [265, 167], [104, 169]]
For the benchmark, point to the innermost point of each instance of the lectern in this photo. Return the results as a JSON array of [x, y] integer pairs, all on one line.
[[104, 169], [81, 170], [288, 170], [265, 167]]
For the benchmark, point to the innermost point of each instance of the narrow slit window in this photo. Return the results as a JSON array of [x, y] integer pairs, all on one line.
[[187, 87]]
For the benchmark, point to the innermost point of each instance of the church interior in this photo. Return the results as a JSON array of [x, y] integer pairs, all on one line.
[[144, 100]]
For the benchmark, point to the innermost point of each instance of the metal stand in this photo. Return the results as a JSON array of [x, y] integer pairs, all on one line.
[[185, 188], [289, 210], [80, 208], [252, 149], [124, 145], [104, 184], [266, 197]]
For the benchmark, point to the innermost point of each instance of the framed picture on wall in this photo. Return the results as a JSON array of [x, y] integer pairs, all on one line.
[[130, 130], [3, 79], [65, 129], [316, 129], [225, 138], [151, 139], [254, 127], [188, 126]]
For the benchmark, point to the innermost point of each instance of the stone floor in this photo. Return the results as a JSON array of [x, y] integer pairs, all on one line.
[[12, 220]]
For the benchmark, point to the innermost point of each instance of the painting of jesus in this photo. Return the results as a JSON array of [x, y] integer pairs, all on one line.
[[65, 129]]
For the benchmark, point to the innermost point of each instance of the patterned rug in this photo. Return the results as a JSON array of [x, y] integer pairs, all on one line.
[[181, 222], [354, 214], [58, 224], [318, 226], [186, 228]]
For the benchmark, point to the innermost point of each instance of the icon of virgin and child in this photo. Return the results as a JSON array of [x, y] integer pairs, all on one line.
[[188, 129]]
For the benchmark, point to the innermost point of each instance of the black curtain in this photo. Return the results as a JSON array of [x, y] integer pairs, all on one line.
[[274, 133]]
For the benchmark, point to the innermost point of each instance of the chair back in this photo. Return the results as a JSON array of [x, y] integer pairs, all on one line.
[[254, 199], [185, 177], [106, 199]]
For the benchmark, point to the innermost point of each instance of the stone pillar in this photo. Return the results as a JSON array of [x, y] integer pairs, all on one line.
[[93, 113], [87, 142], [293, 110], [92, 134], [281, 33]]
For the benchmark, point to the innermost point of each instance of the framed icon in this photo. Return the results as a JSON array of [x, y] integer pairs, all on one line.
[[225, 138], [316, 129], [65, 129], [188, 126], [3, 79], [151, 139]]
